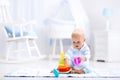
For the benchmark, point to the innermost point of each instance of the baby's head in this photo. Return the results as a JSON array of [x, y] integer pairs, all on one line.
[[78, 38]]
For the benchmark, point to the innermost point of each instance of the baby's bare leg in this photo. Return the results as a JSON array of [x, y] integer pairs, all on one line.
[[78, 71]]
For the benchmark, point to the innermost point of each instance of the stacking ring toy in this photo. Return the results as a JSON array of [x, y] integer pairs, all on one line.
[[77, 61]]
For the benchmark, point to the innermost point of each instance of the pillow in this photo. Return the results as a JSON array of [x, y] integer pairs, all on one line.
[[17, 32], [8, 30]]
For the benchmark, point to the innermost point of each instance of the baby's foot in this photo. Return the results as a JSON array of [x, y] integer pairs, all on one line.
[[78, 71]]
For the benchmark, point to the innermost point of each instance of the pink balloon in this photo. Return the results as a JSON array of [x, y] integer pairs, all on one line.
[[77, 61]]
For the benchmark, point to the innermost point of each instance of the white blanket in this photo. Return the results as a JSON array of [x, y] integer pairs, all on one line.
[[44, 73]]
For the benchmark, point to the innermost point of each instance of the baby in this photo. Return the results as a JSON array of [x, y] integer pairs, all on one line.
[[78, 49]]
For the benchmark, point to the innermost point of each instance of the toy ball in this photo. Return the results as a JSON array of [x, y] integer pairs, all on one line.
[[77, 61]]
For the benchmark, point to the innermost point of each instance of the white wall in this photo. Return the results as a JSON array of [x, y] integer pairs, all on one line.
[[41, 9], [94, 10]]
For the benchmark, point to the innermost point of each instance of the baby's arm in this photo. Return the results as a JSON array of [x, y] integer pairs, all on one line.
[[67, 61], [74, 71], [86, 55], [83, 58]]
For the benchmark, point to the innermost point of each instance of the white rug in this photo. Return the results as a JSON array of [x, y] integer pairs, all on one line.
[[44, 73]]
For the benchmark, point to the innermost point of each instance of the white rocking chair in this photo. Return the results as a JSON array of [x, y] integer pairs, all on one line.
[[19, 32]]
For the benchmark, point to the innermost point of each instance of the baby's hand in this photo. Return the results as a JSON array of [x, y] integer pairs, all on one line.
[[66, 63], [82, 58]]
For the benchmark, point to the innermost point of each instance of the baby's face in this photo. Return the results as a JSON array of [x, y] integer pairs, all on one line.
[[78, 42]]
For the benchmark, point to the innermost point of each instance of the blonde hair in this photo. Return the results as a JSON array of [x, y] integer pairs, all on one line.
[[78, 33]]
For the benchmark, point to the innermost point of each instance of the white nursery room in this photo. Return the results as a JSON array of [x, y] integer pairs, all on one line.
[[59, 40]]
